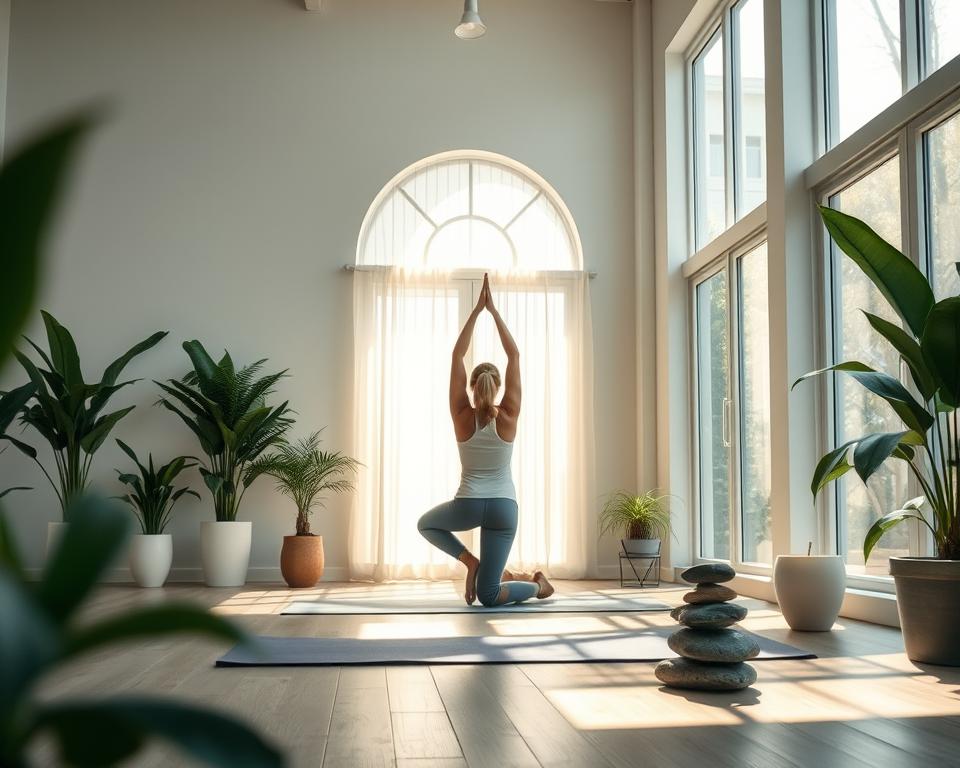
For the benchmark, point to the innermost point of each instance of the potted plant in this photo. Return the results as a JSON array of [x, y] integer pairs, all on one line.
[[152, 498], [226, 409], [10, 405], [643, 518], [303, 472], [928, 341], [68, 412]]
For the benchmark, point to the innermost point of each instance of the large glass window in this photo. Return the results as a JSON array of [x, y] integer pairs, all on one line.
[[729, 122], [754, 400], [941, 152], [733, 409], [874, 198], [863, 62], [710, 180], [941, 32]]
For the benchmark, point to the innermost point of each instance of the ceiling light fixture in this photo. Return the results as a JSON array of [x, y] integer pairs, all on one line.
[[470, 26]]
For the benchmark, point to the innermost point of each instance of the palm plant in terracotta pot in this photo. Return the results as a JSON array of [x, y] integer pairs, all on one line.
[[304, 472], [927, 340]]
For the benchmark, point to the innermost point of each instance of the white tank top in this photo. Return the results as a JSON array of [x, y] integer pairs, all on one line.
[[485, 461]]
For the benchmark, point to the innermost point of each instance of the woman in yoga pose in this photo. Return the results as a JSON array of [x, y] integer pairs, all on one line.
[[486, 498]]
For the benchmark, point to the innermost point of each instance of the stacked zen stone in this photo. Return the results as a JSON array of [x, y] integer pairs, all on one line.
[[713, 655]]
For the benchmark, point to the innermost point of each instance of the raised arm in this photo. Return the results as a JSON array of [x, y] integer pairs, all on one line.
[[459, 400], [511, 390]]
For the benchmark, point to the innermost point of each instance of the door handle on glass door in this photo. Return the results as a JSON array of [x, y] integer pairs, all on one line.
[[725, 422]]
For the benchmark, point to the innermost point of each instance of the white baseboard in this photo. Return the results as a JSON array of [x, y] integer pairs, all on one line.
[[255, 575]]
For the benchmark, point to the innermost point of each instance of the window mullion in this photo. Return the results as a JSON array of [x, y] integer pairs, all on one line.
[[734, 331], [912, 68], [729, 121], [828, 73]]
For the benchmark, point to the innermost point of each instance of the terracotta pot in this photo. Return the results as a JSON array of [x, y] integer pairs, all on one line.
[[928, 600], [301, 560]]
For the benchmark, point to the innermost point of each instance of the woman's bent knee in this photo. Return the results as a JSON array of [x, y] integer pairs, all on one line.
[[489, 596]]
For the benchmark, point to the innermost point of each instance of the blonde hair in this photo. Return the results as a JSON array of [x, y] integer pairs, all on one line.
[[485, 383]]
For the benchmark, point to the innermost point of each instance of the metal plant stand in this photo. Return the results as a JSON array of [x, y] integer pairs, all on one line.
[[651, 574]]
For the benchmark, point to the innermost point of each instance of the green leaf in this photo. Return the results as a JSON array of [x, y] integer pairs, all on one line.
[[910, 511], [28, 642], [115, 368], [129, 451], [98, 529], [92, 733], [851, 365], [92, 441], [155, 621], [909, 350], [941, 348], [27, 450], [212, 481], [12, 402], [206, 369], [831, 466], [63, 351], [32, 181], [873, 450], [898, 279], [5, 491]]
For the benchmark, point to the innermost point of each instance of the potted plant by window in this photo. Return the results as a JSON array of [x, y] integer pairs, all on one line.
[[928, 342], [643, 518], [68, 412], [303, 472], [227, 411], [152, 497]]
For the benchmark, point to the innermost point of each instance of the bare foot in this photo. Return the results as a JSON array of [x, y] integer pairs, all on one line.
[[470, 589], [508, 576], [546, 588]]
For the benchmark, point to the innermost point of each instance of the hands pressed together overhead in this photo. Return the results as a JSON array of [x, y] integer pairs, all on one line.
[[485, 300]]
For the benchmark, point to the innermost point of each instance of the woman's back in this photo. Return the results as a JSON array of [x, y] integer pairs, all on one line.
[[485, 461]]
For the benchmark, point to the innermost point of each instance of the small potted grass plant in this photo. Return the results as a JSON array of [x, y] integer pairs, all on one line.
[[303, 472], [152, 497], [643, 519]]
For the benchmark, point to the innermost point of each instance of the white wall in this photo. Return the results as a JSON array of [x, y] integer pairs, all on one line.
[[246, 139]]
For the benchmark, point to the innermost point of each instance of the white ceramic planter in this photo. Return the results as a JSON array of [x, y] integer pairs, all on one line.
[[150, 559], [55, 532], [225, 552], [641, 546], [810, 589]]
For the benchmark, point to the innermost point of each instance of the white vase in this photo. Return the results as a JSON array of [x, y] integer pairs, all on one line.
[[55, 532], [150, 558], [810, 590], [225, 552]]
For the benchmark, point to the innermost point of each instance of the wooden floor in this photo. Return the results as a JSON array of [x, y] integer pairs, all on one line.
[[862, 703]]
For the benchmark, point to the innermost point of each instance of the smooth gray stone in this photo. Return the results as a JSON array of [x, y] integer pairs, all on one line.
[[711, 615], [709, 573], [709, 593], [684, 673], [675, 613], [723, 645]]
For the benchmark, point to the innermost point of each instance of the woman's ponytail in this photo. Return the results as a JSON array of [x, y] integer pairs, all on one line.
[[485, 382]]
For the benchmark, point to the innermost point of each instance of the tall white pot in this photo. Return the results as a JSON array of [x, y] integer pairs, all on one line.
[[55, 532], [810, 590], [150, 559], [225, 552]]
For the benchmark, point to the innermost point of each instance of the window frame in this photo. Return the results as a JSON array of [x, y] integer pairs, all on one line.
[[727, 261], [724, 22], [898, 130]]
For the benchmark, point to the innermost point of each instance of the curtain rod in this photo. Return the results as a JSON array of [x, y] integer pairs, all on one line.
[[555, 272]]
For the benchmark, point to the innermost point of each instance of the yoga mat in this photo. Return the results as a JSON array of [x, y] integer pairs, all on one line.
[[648, 644], [373, 606]]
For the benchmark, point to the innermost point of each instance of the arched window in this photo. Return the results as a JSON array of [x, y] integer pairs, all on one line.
[[423, 247], [462, 210]]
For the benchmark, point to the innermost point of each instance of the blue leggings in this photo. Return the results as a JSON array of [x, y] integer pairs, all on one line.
[[497, 520]]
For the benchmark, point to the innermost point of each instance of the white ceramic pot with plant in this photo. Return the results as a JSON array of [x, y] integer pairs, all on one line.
[[642, 519], [927, 339], [225, 408], [303, 472], [809, 590], [152, 497]]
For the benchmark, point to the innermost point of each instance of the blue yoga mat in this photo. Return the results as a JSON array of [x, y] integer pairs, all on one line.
[[428, 604]]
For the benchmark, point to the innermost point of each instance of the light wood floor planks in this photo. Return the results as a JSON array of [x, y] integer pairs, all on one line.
[[862, 703]]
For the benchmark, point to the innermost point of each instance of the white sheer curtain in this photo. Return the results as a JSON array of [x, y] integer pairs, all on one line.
[[405, 324]]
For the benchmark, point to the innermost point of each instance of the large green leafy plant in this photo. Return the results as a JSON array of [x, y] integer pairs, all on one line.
[[152, 494], [928, 342], [69, 412], [227, 410], [303, 472], [39, 630]]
